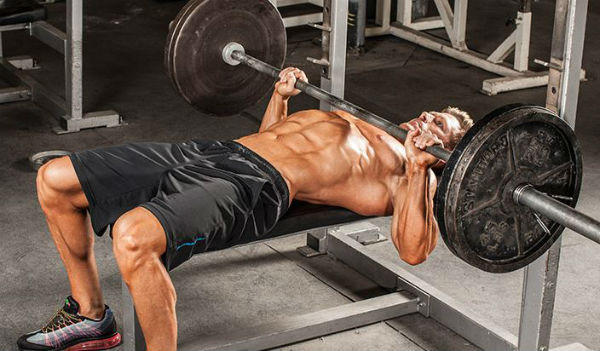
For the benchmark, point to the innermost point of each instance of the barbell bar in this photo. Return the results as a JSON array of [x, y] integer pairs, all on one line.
[[523, 194], [234, 53], [581, 223]]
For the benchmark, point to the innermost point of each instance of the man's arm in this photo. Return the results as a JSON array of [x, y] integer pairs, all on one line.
[[414, 227], [276, 110], [284, 89]]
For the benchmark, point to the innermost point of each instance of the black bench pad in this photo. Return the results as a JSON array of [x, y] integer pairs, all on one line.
[[21, 11], [304, 216]]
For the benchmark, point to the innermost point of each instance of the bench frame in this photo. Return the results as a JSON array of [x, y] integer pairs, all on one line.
[[407, 294], [68, 110]]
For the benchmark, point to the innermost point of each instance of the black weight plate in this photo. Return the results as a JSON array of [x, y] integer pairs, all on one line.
[[511, 146], [174, 27], [193, 52]]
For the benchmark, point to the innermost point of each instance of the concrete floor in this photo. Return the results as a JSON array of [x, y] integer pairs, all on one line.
[[227, 290]]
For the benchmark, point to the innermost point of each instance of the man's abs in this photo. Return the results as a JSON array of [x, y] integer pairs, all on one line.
[[328, 158]]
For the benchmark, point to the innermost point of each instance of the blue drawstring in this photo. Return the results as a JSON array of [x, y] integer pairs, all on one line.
[[192, 243]]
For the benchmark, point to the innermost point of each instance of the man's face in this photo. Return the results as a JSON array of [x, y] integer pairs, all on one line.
[[442, 125]]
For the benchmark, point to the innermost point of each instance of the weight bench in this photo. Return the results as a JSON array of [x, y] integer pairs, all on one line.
[[30, 15], [344, 235], [300, 217]]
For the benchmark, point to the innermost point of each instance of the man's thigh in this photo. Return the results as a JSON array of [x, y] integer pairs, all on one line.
[[116, 179], [208, 215]]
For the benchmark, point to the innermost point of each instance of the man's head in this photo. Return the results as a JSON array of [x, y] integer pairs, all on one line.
[[449, 125]]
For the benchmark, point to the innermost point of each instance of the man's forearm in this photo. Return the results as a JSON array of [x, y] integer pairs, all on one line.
[[275, 112], [414, 229]]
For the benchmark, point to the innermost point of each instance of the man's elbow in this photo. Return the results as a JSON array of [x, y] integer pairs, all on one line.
[[413, 259]]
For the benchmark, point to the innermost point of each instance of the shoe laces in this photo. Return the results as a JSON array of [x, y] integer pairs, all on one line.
[[61, 319]]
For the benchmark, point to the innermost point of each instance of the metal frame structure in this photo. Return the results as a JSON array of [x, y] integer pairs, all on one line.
[[69, 110], [408, 293], [334, 40], [301, 20], [454, 21], [539, 283]]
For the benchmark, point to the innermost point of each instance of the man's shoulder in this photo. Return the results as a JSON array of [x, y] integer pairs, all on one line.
[[343, 114]]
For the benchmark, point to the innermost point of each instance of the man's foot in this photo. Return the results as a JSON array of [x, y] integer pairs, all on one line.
[[68, 331]]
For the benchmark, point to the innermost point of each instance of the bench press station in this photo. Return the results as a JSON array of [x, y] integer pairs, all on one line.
[[408, 294]]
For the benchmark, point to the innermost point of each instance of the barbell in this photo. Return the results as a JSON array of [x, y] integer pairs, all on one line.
[[508, 188]]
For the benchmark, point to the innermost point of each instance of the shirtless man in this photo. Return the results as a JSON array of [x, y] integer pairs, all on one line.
[[166, 202]]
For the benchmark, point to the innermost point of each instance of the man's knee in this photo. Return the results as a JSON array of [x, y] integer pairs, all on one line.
[[57, 184], [138, 239]]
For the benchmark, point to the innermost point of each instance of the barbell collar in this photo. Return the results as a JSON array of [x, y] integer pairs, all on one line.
[[320, 94], [228, 51], [567, 216]]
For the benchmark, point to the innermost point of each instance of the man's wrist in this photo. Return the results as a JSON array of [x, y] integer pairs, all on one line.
[[283, 98], [416, 168]]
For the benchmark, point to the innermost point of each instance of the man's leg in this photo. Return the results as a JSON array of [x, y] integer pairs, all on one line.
[[138, 243], [65, 206]]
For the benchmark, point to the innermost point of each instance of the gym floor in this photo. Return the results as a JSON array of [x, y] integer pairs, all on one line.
[[227, 290]]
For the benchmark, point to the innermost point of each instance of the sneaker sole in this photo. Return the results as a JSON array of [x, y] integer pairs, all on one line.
[[94, 345]]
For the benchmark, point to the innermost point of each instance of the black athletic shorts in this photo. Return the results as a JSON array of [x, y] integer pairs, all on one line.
[[208, 195]]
